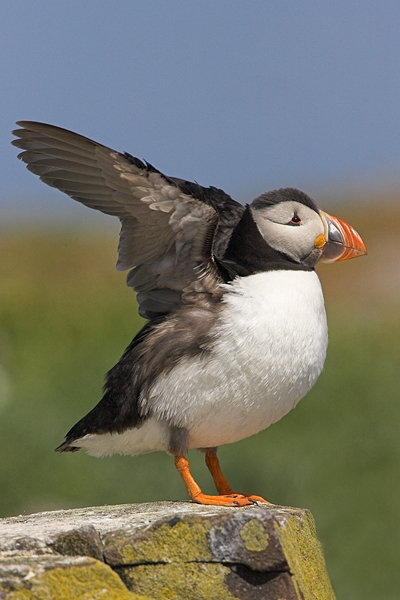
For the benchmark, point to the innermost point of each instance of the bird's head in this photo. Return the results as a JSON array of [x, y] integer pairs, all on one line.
[[292, 224]]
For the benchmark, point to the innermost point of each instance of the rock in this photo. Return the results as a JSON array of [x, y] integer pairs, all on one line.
[[168, 550], [60, 578]]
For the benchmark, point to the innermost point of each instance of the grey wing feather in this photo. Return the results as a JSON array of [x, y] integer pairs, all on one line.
[[168, 226]]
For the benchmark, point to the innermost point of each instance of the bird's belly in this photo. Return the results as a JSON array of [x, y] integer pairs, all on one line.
[[270, 347]]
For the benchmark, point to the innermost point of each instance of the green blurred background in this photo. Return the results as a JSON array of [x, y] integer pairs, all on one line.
[[247, 96], [65, 318]]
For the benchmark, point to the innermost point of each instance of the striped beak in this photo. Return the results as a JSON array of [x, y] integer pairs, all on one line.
[[342, 240]]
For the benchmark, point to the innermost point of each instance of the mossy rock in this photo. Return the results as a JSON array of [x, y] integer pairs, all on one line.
[[164, 550], [54, 578]]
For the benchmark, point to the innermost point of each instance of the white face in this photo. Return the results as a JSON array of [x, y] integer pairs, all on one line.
[[292, 228]]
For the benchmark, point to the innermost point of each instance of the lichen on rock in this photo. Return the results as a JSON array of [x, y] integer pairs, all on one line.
[[176, 550], [62, 579]]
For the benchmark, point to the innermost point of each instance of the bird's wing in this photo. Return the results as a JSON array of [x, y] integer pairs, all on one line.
[[168, 226]]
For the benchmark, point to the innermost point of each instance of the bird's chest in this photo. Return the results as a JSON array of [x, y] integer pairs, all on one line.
[[269, 349], [273, 333]]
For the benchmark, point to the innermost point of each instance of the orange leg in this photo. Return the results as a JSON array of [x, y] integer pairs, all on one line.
[[221, 483], [195, 493]]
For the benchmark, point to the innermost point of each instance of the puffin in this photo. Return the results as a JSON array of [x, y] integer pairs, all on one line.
[[236, 330]]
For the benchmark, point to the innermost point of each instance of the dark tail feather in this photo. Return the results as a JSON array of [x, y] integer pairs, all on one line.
[[118, 410], [66, 447]]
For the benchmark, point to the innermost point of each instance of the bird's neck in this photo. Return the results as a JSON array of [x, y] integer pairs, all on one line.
[[248, 253]]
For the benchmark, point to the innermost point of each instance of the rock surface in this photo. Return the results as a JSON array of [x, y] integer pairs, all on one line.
[[169, 550]]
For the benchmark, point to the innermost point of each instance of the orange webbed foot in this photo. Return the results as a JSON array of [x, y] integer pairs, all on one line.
[[234, 500], [255, 498], [226, 496]]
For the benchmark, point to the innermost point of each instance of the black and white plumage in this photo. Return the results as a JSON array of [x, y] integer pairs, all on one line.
[[237, 330]]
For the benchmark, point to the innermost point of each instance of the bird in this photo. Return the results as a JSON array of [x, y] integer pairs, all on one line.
[[236, 330]]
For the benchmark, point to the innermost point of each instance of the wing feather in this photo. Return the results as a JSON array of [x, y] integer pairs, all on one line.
[[168, 226]]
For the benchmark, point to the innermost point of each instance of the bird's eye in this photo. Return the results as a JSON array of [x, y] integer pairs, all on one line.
[[295, 220]]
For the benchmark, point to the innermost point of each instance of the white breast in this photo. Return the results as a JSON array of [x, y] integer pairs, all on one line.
[[270, 348]]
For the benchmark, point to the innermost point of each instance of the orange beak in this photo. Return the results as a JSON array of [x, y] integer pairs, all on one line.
[[342, 240]]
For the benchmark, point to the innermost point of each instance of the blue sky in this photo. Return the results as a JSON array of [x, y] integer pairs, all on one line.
[[246, 96]]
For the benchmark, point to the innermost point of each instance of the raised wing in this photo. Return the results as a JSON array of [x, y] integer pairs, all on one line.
[[168, 226]]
